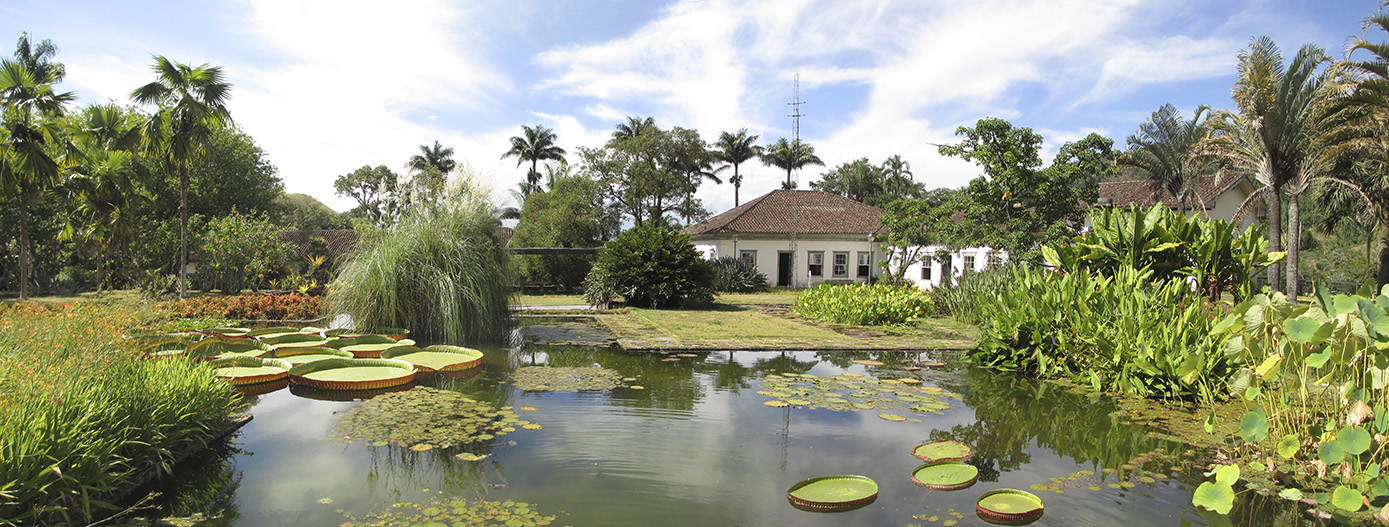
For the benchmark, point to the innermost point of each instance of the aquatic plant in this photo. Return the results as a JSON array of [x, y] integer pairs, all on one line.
[[550, 378], [853, 392], [441, 271], [426, 416], [454, 511], [863, 304]]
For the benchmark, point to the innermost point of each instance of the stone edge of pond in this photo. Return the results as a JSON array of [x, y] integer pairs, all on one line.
[[123, 495]]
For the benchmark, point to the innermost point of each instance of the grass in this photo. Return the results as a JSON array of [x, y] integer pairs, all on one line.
[[84, 415], [726, 327], [770, 298], [549, 300]]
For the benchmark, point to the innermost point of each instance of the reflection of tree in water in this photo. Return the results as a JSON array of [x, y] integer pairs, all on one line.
[[395, 469], [205, 483], [668, 385], [783, 363], [729, 374], [1012, 412]]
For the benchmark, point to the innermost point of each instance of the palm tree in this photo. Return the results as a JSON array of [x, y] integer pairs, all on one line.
[[28, 133], [1163, 149], [105, 185], [897, 177], [790, 155], [1272, 138], [438, 157], [634, 127], [192, 103], [535, 144], [736, 149]]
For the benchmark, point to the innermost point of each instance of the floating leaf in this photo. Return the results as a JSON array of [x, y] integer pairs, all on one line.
[[1214, 496], [1346, 498], [469, 456], [325, 501], [1288, 446], [1209, 424], [1253, 427], [1331, 452], [545, 378], [776, 404], [1227, 475], [1290, 494], [1354, 441], [422, 416], [891, 417]]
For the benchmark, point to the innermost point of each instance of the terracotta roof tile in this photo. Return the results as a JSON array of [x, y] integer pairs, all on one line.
[[795, 212], [1140, 192]]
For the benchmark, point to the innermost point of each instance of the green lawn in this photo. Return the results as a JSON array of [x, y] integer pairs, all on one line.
[[782, 297], [549, 300], [729, 327]]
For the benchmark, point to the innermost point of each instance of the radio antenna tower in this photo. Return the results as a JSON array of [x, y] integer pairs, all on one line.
[[796, 109]]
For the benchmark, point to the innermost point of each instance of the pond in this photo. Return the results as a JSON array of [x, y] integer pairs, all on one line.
[[692, 442]]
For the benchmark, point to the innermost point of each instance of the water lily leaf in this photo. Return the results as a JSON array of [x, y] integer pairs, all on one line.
[[1288, 446], [544, 378], [1317, 360], [1253, 427], [469, 456], [1376, 322], [891, 417], [1216, 497], [1346, 498], [1253, 392], [1227, 475], [1290, 494], [1331, 452], [776, 404], [1355, 440]]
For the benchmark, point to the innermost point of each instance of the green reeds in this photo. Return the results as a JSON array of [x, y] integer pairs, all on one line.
[[441, 271], [84, 416]]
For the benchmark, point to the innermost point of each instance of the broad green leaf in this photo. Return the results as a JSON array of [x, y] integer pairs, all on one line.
[[1307, 330], [1190, 368], [1252, 393], [1381, 419], [1254, 426], [1372, 470], [1379, 378], [1234, 347], [1228, 323], [1227, 475], [1241, 381], [1331, 452], [1324, 298], [1216, 497], [1290, 494], [1210, 423], [1375, 320], [1288, 446], [1354, 441], [1269, 367], [1343, 304], [1254, 318], [1379, 487], [1348, 499], [1317, 360]]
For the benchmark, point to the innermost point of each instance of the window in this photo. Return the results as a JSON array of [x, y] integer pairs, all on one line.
[[841, 265], [748, 256], [926, 270], [865, 259], [995, 259], [969, 263], [817, 263]]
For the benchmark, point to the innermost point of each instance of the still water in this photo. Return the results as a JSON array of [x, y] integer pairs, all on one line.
[[698, 447]]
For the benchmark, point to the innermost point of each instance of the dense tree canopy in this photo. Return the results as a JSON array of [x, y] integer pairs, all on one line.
[[648, 175]]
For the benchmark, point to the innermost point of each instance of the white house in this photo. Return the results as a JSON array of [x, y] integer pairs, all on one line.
[[927, 274], [798, 238], [1219, 201]]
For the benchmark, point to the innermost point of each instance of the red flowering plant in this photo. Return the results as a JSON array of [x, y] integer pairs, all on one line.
[[251, 307]]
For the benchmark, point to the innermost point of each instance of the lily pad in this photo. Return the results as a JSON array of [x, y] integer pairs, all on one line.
[[226, 348], [456, 511], [352, 374], [852, 392], [249, 370], [833, 493], [439, 418], [367, 346], [943, 451], [277, 331], [295, 340], [436, 358], [297, 356], [1009, 507], [544, 378], [945, 475]]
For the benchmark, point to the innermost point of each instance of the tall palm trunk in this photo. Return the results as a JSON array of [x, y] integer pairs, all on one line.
[[1382, 275], [1293, 245], [183, 231], [1274, 216], [25, 200], [737, 182]]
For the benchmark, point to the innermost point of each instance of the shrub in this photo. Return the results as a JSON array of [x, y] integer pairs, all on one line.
[[736, 275], [1123, 333], [967, 297], [652, 267], [83, 415], [863, 304], [251, 307], [440, 271], [240, 251]]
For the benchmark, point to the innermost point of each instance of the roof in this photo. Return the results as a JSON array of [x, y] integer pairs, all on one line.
[[1140, 192], [795, 212], [339, 241]]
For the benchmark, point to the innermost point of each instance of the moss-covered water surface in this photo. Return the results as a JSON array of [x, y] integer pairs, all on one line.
[[691, 440]]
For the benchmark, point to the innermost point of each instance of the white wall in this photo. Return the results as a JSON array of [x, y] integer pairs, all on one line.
[[980, 256], [768, 249]]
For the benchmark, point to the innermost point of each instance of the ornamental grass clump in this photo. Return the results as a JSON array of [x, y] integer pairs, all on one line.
[[863, 304], [84, 416], [442, 271]]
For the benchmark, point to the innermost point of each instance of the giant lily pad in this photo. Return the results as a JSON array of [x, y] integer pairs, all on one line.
[[544, 378], [164, 347], [439, 418], [352, 374], [367, 345], [276, 331], [945, 475], [296, 340], [1009, 507], [249, 370], [943, 451], [833, 493], [227, 331], [436, 358], [394, 333], [297, 356], [226, 348], [254, 390]]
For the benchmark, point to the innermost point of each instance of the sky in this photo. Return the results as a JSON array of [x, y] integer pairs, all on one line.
[[326, 87]]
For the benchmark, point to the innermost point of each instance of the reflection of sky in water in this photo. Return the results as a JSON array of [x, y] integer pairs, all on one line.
[[696, 447]]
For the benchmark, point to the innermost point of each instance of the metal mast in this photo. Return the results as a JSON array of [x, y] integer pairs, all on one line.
[[796, 109]]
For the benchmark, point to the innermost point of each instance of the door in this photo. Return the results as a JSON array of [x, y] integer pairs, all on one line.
[[783, 269]]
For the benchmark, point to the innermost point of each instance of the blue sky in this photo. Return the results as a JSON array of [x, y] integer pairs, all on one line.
[[328, 86]]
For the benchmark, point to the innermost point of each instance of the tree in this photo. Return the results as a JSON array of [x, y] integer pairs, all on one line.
[[736, 149], [897, 177], [375, 190], [107, 182], [865, 182], [1164, 150], [790, 155], [647, 175], [652, 266], [1015, 206], [1272, 138], [303, 212], [635, 127], [429, 172], [912, 225], [535, 144], [572, 213], [29, 133], [192, 105], [234, 173]]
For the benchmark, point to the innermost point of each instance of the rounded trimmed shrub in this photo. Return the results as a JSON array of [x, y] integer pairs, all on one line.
[[651, 267]]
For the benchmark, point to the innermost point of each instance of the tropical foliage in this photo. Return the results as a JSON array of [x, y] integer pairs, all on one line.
[[736, 275], [1163, 151], [648, 173], [650, 267], [535, 144], [863, 304], [790, 156], [736, 149], [572, 213]]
